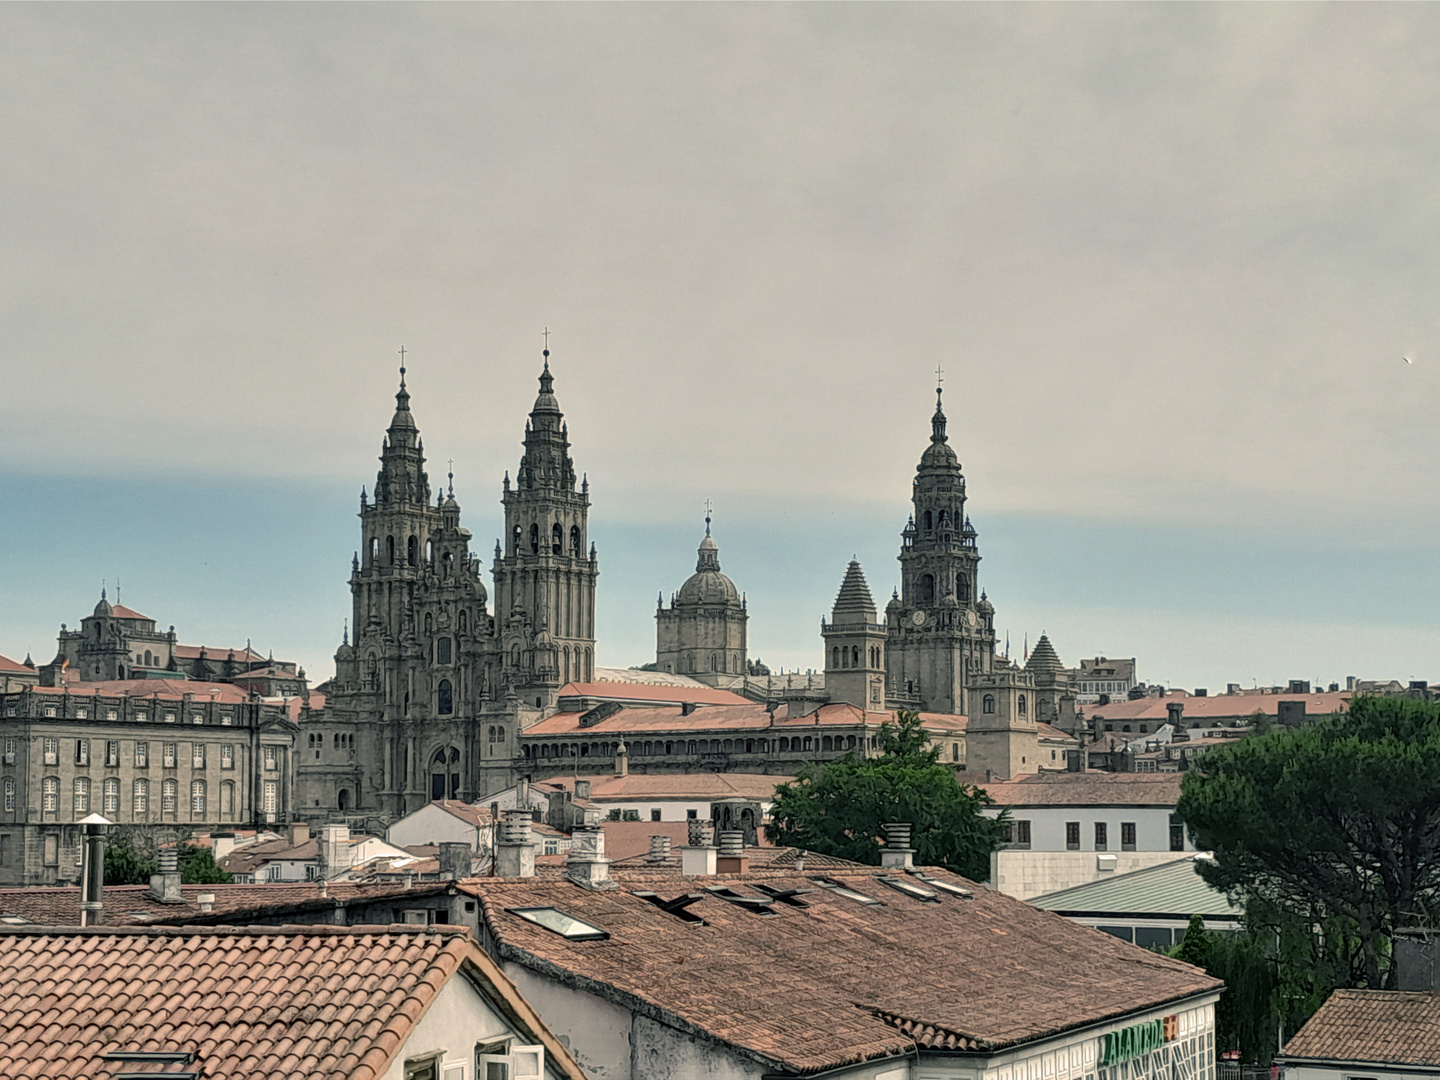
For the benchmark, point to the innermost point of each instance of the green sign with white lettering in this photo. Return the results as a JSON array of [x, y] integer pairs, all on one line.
[[1131, 1042]]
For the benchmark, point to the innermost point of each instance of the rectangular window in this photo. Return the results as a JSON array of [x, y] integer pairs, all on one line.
[[1072, 836], [197, 755], [50, 795], [1022, 834], [82, 795], [142, 799], [10, 751], [654, 815], [52, 751], [1100, 836], [227, 756], [691, 815], [142, 755], [167, 755], [82, 751], [10, 794], [272, 758], [1127, 836], [197, 798], [169, 796], [1177, 834], [112, 753], [112, 796], [227, 799], [225, 719], [271, 796], [197, 718]]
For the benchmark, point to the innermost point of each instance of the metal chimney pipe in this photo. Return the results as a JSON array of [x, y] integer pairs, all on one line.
[[93, 872]]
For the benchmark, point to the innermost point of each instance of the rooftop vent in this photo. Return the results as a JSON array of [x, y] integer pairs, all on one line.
[[599, 712], [659, 850], [897, 854]]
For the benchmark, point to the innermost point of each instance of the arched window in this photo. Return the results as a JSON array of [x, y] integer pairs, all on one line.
[[927, 590], [835, 656], [149, 658], [855, 655], [575, 540], [954, 751], [784, 746], [140, 799], [929, 523], [464, 622], [343, 800], [589, 672], [749, 746], [714, 662], [429, 551], [112, 797], [197, 798], [988, 704], [410, 548], [826, 743], [1020, 704], [445, 701], [438, 779], [50, 794], [390, 548], [565, 663], [82, 795], [515, 541], [227, 799], [809, 743], [169, 796], [555, 539], [944, 518], [447, 563], [534, 539], [374, 549]]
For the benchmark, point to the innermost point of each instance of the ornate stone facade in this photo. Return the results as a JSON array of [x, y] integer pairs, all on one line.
[[428, 700], [702, 633]]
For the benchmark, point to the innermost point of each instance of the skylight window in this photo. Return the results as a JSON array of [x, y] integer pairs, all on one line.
[[557, 922], [760, 905], [945, 886], [676, 907], [909, 888], [785, 896], [14, 920], [849, 894]]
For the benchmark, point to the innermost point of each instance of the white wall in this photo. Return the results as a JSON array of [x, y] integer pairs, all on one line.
[[432, 825], [456, 1020], [670, 809], [595, 1031], [1047, 825], [1023, 874]]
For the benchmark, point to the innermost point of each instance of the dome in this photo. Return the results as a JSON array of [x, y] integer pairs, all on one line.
[[985, 607], [708, 585], [103, 607]]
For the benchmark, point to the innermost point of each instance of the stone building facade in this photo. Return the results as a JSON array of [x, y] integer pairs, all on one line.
[[429, 698], [181, 758], [702, 633], [940, 627]]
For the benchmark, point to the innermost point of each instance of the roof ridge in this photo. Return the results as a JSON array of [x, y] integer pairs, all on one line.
[[910, 1025], [191, 930]]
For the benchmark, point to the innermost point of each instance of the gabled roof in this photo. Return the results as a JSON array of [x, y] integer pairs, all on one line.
[[471, 815], [749, 717], [6, 664], [1388, 1027], [1173, 888], [120, 611], [1088, 789], [638, 691], [165, 689], [835, 981], [319, 1003], [1214, 707], [696, 785]]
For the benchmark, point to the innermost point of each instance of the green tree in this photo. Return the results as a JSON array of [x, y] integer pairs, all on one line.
[[838, 808], [130, 860], [125, 866], [1335, 824], [198, 867]]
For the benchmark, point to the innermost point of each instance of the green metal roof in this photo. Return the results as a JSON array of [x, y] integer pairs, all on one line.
[[1172, 888]]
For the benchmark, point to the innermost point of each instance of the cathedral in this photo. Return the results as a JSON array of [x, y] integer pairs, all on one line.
[[435, 689]]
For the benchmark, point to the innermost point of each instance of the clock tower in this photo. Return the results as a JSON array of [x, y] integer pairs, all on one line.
[[940, 626]]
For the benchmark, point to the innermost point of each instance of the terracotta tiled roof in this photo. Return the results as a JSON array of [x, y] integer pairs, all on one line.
[[471, 815], [1201, 709], [217, 655], [751, 716], [1380, 1026], [322, 1003], [128, 905], [831, 983], [166, 689], [676, 786], [1088, 789], [6, 664], [120, 611], [630, 691]]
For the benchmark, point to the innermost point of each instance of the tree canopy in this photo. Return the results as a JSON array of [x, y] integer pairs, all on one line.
[[837, 808], [1334, 824], [130, 860]]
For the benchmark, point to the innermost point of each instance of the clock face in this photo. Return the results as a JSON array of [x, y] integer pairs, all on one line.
[[918, 618]]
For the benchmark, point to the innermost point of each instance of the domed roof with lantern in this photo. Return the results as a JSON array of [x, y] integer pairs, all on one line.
[[708, 585]]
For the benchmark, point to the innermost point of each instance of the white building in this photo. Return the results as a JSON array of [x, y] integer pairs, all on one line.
[[666, 796], [446, 821], [1070, 828]]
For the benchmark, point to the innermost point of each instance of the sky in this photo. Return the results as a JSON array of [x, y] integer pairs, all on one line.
[[1170, 258]]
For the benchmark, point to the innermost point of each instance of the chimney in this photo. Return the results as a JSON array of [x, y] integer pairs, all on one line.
[[165, 886], [659, 851], [514, 850], [1077, 760], [731, 859], [522, 795], [582, 789], [697, 859], [299, 833], [622, 760], [336, 854], [1175, 715], [897, 854], [206, 900], [92, 873], [454, 860], [586, 864]]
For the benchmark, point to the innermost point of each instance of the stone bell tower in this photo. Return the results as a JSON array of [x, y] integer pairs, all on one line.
[[855, 645]]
